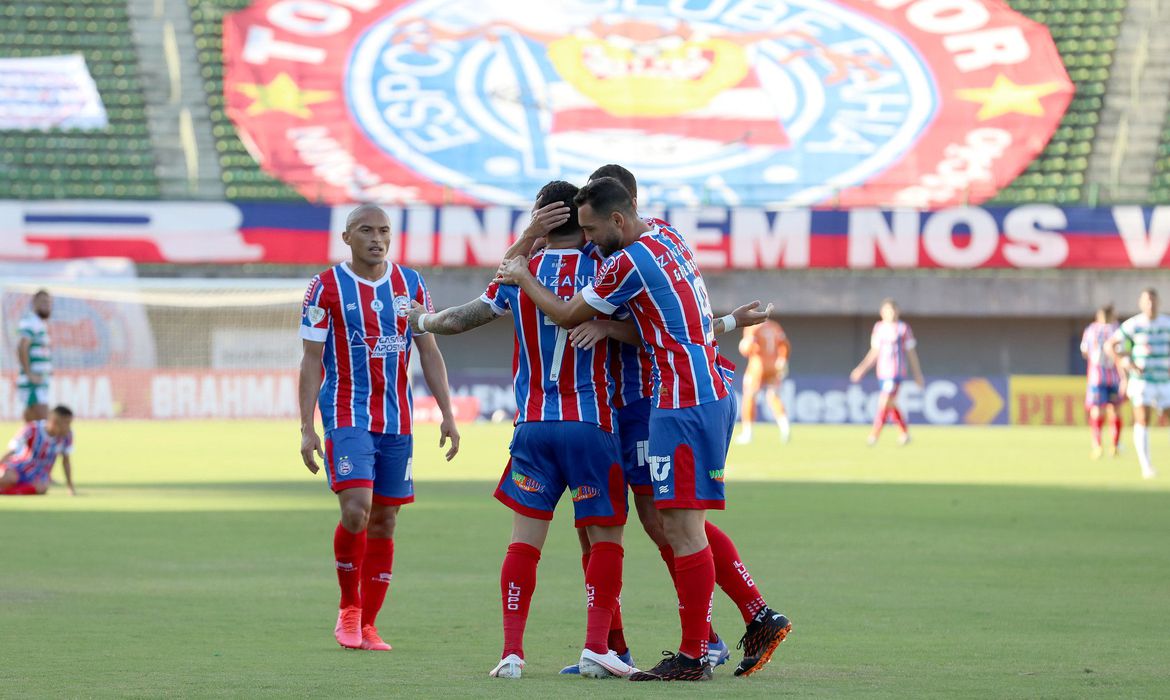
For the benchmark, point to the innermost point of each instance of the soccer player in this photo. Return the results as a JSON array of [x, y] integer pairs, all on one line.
[[564, 438], [891, 349], [766, 347], [1104, 381], [25, 467], [1142, 348], [357, 347], [651, 270], [34, 357]]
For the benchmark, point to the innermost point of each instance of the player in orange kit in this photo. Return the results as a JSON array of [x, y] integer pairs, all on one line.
[[766, 348]]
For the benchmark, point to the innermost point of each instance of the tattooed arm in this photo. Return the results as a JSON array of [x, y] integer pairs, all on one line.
[[457, 319]]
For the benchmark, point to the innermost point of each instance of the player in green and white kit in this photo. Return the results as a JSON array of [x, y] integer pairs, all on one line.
[[1142, 348], [34, 358]]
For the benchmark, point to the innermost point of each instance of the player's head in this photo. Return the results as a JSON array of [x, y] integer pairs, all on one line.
[[563, 192], [1105, 313], [620, 174], [367, 233], [1148, 302], [60, 420], [42, 303], [606, 213], [889, 310]]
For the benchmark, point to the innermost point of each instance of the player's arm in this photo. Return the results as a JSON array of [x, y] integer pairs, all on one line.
[[435, 373], [749, 314], [864, 366], [68, 465], [543, 220], [22, 355], [566, 314], [310, 385], [590, 333], [457, 319], [1119, 348], [915, 367]]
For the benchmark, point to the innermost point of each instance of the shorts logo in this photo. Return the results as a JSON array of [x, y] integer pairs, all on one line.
[[715, 474], [401, 306], [527, 483], [582, 493], [376, 305], [730, 103], [659, 467], [344, 467], [315, 314], [380, 345]]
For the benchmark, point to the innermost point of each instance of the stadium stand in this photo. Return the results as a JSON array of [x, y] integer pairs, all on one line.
[[116, 162], [1160, 190]]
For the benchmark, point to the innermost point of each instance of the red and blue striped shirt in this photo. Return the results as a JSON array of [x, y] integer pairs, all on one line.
[[368, 343], [657, 278], [553, 380], [35, 451], [1102, 370], [891, 340]]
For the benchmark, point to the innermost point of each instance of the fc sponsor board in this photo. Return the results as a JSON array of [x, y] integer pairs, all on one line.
[[1034, 236]]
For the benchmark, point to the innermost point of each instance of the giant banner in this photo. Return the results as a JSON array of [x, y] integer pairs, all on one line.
[[916, 103], [1028, 236], [49, 92]]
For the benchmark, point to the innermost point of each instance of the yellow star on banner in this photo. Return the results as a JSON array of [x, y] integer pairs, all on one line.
[[1005, 97], [283, 95]]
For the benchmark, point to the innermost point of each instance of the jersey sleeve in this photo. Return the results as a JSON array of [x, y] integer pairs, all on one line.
[[1124, 335], [908, 339], [875, 341], [22, 439], [315, 313], [1085, 341], [27, 328], [617, 282], [423, 297], [497, 298], [67, 448]]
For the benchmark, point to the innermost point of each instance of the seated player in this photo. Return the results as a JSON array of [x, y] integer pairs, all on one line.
[[564, 438], [25, 467], [766, 348], [1103, 393], [891, 349]]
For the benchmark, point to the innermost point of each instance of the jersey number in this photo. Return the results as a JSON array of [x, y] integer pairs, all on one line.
[[554, 370]]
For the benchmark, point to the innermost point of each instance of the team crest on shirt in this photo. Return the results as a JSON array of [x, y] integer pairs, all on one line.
[[402, 306], [376, 305], [344, 467], [380, 346], [710, 102], [315, 314]]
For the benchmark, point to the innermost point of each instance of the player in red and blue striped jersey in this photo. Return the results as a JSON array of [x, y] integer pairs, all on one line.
[[357, 347], [652, 272], [26, 466], [893, 355], [1104, 391], [564, 438]]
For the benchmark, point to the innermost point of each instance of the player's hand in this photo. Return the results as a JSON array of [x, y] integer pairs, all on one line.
[[34, 378], [588, 334], [546, 219], [750, 314], [855, 376], [920, 382], [416, 310], [310, 445], [510, 270], [448, 429]]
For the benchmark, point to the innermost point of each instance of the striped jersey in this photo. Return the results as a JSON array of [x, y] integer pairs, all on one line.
[[35, 451], [40, 359], [1102, 370], [552, 379], [891, 340], [368, 341], [1148, 341], [657, 279]]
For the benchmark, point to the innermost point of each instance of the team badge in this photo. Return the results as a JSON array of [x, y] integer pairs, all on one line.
[[402, 306], [376, 305], [315, 314], [344, 467], [722, 102]]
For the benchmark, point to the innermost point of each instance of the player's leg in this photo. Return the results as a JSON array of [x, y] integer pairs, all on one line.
[[393, 488], [751, 392], [894, 414], [1143, 411], [885, 400], [1115, 419], [779, 413], [349, 463]]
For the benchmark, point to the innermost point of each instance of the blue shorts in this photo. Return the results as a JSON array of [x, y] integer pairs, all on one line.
[[549, 456], [634, 433], [688, 453], [356, 458], [890, 386], [1102, 395]]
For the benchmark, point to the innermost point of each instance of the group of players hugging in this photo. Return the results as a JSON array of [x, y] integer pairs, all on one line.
[[618, 382]]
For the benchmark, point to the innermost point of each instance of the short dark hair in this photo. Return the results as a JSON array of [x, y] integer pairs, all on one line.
[[40, 293], [618, 173], [1151, 291], [606, 195], [1105, 309], [889, 301], [63, 411], [564, 192]]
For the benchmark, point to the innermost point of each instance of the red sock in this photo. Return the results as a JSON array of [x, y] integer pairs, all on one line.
[[603, 583], [1095, 425], [732, 575], [348, 550], [617, 636], [1116, 427], [879, 421], [667, 555], [377, 570], [19, 490], [897, 416], [695, 583], [517, 582], [585, 562]]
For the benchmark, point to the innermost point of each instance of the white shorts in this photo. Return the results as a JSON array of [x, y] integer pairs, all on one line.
[[33, 394], [1143, 393]]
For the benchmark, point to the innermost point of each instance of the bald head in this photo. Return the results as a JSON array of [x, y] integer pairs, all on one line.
[[361, 212], [367, 233]]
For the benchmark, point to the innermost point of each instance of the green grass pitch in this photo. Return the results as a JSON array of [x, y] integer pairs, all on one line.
[[973, 563]]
